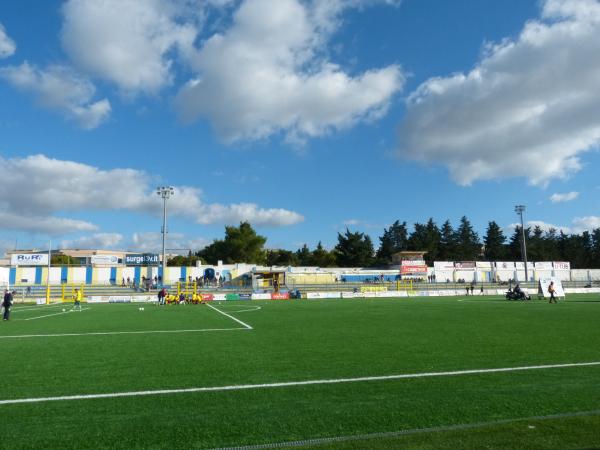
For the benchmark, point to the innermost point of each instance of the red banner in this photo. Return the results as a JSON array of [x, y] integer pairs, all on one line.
[[207, 297], [280, 296], [413, 270]]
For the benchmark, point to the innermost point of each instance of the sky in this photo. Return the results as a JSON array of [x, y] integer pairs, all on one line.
[[302, 117]]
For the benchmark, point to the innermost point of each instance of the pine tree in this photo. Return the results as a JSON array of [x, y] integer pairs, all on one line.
[[322, 258], [354, 250], [494, 241], [447, 247], [394, 240], [468, 245]]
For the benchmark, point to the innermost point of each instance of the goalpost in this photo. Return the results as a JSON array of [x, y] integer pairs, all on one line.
[[68, 292], [404, 285]]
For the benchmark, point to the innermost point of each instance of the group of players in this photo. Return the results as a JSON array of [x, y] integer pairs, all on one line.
[[164, 298]]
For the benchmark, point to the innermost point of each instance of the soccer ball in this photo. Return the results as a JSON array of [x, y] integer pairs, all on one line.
[[63, 310], [141, 309]]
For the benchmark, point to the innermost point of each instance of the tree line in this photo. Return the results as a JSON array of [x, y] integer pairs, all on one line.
[[442, 243]]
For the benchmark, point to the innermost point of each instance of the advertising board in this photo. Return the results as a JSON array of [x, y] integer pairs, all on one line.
[[142, 259], [561, 265], [280, 296], [543, 265], [443, 265], [104, 260], [413, 270], [29, 259], [465, 265]]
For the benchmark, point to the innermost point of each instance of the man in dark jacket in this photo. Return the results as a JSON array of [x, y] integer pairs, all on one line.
[[7, 303]]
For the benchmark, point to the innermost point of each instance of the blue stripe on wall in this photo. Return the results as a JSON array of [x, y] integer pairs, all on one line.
[[137, 276], [12, 276], [88, 275], [113, 275], [38, 275], [64, 274], [184, 273]]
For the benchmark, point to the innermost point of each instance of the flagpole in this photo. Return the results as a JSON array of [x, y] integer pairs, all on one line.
[[48, 274]]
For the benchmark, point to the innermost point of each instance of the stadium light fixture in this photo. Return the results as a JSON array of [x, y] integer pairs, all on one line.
[[519, 209], [165, 192]]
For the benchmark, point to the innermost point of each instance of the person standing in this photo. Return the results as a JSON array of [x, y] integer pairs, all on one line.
[[77, 298], [7, 303], [551, 291]]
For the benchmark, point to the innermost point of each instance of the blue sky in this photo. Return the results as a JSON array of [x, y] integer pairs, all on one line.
[[302, 117]]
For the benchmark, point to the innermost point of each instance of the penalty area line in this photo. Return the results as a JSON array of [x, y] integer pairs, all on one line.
[[240, 387], [392, 434], [248, 327], [112, 333], [55, 314]]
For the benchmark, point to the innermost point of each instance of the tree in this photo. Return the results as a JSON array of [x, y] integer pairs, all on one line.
[[448, 244], [279, 257], [241, 244], [468, 245], [304, 256], [322, 258], [514, 252], [494, 241], [64, 260], [354, 250], [595, 251], [394, 240], [183, 261]]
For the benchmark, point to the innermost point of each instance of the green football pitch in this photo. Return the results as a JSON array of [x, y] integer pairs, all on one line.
[[460, 372]]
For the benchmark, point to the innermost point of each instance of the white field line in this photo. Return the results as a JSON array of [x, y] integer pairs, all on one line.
[[53, 314], [21, 308], [247, 309], [111, 333], [239, 387], [231, 317], [392, 434]]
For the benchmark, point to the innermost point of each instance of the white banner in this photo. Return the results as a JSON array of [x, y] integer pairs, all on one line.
[[543, 265], [29, 259], [261, 296], [562, 265], [104, 260], [558, 287], [443, 265], [504, 265], [483, 265]]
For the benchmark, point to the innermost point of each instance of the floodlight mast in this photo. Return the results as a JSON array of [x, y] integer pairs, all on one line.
[[165, 192], [519, 210]]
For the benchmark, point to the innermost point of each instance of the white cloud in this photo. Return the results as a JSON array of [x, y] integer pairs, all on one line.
[[529, 108], [578, 225], [177, 242], [97, 240], [34, 189], [7, 45], [267, 74], [128, 42], [587, 223], [566, 197], [59, 88]]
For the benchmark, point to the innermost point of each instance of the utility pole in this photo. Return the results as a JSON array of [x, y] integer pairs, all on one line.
[[165, 192], [519, 210]]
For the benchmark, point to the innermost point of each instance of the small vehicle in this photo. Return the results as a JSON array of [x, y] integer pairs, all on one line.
[[517, 295]]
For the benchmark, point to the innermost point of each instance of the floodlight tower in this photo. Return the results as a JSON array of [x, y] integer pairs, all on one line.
[[165, 192], [519, 210]]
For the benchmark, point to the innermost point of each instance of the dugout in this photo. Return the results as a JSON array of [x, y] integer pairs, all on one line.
[[274, 278]]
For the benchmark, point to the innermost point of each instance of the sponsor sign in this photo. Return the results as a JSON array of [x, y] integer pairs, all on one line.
[[261, 296], [29, 259], [483, 265], [323, 295], [544, 265], [504, 265], [353, 295], [245, 296], [104, 260], [465, 265], [141, 259], [219, 297], [520, 265], [280, 296], [234, 297], [207, 297], [373, 288], [413, 270], [443, 265], [413, 262], [562, 266]]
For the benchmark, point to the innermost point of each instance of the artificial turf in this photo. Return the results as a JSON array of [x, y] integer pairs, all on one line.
[[302, 340]]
